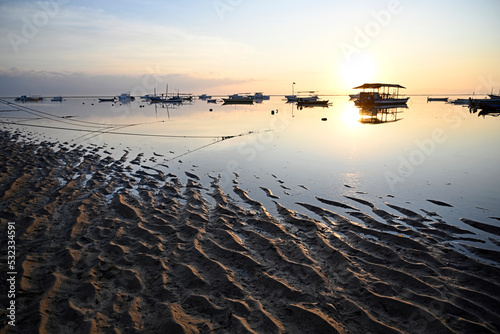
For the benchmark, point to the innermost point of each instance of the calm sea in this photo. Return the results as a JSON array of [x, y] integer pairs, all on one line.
[[403, 156]]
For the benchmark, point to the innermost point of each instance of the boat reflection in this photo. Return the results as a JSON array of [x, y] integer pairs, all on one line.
[[381, 114], [492, 111]]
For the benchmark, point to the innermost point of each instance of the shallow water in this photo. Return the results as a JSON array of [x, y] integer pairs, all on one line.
[[435, 151]]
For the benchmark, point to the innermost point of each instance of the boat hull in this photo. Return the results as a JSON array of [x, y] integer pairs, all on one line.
[[238, 101]]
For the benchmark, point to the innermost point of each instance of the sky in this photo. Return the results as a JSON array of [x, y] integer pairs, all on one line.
[[74, 47]]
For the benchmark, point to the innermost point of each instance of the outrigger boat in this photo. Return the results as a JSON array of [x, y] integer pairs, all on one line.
[[379, 94]]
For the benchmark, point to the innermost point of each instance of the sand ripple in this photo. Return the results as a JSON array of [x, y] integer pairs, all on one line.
[[102, 250]]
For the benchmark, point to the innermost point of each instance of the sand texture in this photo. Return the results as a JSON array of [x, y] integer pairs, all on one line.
[[101, 249]]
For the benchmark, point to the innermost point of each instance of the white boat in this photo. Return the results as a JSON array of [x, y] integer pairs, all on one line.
[[379, 94]]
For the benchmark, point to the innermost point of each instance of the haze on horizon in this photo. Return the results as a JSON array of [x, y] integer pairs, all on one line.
[[75, 47]]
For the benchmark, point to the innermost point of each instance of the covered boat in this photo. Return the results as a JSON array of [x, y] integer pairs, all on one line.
[[380, 94]]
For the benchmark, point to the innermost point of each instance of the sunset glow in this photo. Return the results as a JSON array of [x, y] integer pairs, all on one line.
[[91, 47]]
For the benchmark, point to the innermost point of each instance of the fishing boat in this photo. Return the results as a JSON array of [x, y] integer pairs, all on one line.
[[125, 97], [308, 102], [460, 101], [261, 96], [484, 103], [313, 96], [238, 99], [437, 99], [34, 98], [106, 99], [380, 94]]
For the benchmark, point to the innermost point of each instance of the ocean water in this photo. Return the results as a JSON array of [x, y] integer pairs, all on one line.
[[405, 156]]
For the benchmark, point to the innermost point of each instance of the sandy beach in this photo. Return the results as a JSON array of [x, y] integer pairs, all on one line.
[[104, 248]]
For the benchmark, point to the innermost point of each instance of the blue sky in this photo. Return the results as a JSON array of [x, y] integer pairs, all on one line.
[[224, 46]]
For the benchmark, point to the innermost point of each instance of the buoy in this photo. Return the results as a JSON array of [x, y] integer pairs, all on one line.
[[272, 112], [210, 110], [323, 119]]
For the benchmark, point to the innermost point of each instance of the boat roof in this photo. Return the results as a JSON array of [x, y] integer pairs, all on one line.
[[378, 85]]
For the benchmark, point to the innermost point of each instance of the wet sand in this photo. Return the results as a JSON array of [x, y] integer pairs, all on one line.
[[103, 249]]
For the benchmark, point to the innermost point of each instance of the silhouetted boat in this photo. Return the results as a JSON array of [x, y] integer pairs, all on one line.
[[308, 102], [238, 99], [436, 99], [379, 94], [204, 97], [460, 101], [311, 97], [105, 99], [260, 96]]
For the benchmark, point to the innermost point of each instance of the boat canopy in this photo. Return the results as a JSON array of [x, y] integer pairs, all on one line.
[[378, 86]]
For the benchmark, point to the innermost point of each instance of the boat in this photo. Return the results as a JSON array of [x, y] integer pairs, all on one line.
[[211, 100], [437, 99], [204, 97], [174, 99], [57, 99], [311, 97], [353, 96], [484, 103], [379, 94], [238, 99], [261, 96], [125, 97], [34, 98], [309, 102], [106, 99], [494, 97], [460, 101]]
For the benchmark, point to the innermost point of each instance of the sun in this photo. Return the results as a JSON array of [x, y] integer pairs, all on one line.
[[357, 70]]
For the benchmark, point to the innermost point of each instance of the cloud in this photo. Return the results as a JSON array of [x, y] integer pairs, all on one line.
[[71, 38], [17, 81]]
